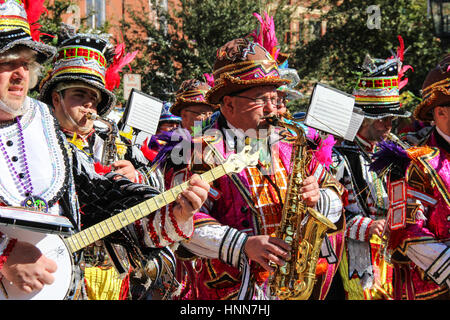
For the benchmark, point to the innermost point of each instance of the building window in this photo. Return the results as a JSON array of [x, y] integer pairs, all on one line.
[[96, 13]]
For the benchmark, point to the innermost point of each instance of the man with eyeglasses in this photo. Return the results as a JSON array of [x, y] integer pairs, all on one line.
[[365, 273], [420, 246], [232, 252], [190, 104]]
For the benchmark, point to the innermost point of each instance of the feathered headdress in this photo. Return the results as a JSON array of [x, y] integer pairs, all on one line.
[[120, 60], [402, 68], [324, 147], [265, 35], [19, 26], [34, 9], [91, 59], [209, 79]]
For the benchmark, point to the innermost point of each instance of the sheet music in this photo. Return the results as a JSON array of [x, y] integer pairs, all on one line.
[[144, 112], [331, 110], [355, 122]]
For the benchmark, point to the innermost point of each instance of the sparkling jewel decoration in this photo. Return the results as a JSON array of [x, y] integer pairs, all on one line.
[[31, 201]]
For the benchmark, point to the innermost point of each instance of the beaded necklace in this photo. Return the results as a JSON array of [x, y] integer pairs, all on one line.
[[31, 201]]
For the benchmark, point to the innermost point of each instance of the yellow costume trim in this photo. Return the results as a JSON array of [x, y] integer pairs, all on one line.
[[379, 291], [102, 284], [121, 148], [79, 143]]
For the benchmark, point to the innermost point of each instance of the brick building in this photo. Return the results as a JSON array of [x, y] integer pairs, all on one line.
[[304, 25]]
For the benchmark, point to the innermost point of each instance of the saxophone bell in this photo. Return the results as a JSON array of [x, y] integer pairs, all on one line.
[[302, 227]]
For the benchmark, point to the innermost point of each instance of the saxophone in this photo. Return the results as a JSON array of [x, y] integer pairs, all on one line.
[[109, 153], [302, 227]]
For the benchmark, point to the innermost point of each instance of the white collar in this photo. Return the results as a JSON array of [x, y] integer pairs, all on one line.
[[443, 135]]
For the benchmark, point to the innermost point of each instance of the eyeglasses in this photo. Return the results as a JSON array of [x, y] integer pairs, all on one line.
[[263, 101], [204, 113], [387, 119]]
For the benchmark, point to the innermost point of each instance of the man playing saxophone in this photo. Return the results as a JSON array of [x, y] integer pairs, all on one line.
[[76, 90], [232, 252]]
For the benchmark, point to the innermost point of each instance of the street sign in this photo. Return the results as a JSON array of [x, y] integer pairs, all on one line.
[[130, 81]]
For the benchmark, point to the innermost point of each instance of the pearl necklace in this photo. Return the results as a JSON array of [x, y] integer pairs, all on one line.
[[31, 201]]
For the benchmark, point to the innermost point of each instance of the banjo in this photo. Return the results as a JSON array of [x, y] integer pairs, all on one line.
[[60, 248]]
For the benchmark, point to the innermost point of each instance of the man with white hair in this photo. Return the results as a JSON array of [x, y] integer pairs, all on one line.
[[37, 172]]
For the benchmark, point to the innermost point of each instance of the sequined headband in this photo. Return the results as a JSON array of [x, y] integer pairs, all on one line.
[[380, 83], [197, 95], [14, 22], [249, 70], [81, 52]]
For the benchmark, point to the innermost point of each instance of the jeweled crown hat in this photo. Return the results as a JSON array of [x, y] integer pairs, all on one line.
[[18, 26], [166, 115], [377, 92], [435, 90], [191, 92], [242, 64], [80, 57]]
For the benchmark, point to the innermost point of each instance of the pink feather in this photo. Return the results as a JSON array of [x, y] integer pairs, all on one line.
[[120, 60], [209, 77], [324, 149], [400, 55], [266, 35]]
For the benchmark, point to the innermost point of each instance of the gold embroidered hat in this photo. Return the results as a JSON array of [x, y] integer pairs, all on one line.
[[191, 92], [435, 90], [242, 64]]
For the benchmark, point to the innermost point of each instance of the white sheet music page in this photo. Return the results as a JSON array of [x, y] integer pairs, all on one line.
[[144, 112], [331, 111], [355, 122]]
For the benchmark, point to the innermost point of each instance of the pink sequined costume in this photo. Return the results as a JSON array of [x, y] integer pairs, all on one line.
[[421, 249], [212, 263]]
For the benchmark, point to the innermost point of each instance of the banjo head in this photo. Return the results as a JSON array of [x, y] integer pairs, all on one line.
[[53, 247]]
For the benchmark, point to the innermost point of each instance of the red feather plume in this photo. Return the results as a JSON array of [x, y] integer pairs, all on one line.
[[120, 60], [34, 9], [400, 55]]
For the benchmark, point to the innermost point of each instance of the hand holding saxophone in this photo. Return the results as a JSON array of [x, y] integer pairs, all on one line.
[[266, 250], [310, 191]]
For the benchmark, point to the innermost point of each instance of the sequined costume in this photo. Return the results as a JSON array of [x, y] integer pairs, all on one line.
[[364, 272], [97, 196], [212, 261], [421, 249]]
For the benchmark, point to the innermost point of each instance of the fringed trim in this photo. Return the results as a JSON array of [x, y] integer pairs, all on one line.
[[432, 96], [415, 152]]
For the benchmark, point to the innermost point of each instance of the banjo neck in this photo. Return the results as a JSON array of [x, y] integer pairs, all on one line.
[[102, 229]]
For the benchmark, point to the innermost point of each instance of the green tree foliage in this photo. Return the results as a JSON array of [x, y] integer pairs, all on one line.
[[181, 42], [354, 29], [51, 22]]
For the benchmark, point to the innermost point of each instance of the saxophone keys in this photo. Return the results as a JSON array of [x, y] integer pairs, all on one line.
[[285, 269]]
